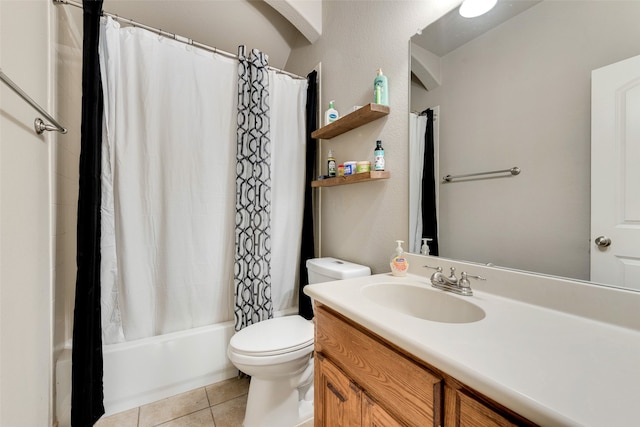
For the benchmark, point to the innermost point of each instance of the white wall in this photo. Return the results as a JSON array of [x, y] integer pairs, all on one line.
[[520, 96], [360, 222], [68, 63], [26, 230], [67, 25]]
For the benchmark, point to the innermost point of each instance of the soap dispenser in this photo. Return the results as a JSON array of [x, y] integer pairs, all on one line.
[[399, 263], [424, 250]]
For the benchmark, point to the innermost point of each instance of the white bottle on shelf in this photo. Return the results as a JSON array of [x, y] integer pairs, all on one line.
[[331, 115]]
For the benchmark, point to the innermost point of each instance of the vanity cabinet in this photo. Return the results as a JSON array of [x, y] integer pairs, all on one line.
[[363, 380]]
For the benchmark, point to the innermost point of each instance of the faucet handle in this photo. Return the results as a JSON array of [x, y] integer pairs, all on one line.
[[438, 268], [464, 279], [465, 286], [465, 275]]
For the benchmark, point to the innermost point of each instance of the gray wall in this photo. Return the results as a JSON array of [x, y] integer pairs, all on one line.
[[360, 222]]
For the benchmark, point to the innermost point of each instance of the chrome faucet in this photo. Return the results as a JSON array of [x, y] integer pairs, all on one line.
[[451, 283]]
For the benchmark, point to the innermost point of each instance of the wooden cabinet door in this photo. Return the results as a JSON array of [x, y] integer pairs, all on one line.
[[374, 415], [337, 398], [410, 392], [462, 410]]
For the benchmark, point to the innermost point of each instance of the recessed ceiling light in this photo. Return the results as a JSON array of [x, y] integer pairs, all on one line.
[[473, 8]]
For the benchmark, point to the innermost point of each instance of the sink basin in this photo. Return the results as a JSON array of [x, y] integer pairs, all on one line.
[[424, 303]]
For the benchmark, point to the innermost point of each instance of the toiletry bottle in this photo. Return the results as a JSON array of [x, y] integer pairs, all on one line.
[[399, 264], [424, 250], [331, 115], [378, 154], [331, 165], [380, 89]]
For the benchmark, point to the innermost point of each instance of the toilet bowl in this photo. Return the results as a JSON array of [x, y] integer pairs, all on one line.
[[277, 354]]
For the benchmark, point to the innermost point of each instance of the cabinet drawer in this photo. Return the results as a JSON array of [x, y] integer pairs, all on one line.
[[410, 393]]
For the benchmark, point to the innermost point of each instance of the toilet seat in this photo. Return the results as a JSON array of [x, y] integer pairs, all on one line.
[[273, 337]]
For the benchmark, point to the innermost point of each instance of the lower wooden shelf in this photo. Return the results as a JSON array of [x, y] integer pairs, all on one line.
[[351, 179]]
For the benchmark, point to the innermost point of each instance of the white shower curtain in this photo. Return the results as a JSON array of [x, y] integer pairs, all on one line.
[[417, 143], [168, 176], [417, 128], [288, 99]]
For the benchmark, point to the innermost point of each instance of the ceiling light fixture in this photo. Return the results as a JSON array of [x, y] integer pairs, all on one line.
[[473, 8]]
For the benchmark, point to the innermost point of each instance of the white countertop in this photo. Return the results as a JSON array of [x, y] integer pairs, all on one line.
[[554, 368]]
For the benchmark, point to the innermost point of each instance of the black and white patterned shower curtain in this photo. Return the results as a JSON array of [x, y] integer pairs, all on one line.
[[252, 269]]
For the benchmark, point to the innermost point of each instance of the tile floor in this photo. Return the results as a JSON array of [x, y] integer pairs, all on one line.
[[217, 405]]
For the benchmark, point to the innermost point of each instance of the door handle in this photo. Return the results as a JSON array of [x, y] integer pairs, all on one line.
[[603, 241]]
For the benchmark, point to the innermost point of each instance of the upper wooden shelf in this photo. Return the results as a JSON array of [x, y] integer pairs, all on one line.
[[361, 116]]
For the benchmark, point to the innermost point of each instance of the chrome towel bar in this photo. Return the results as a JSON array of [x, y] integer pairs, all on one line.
[[39, 125], [512, 171]]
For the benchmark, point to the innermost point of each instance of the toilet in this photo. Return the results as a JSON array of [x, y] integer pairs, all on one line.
[[276, 353]]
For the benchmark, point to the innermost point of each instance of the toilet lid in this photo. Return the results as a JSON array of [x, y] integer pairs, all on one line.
[[273, 336]]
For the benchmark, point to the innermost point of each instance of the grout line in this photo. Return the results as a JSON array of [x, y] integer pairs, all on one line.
[[208, 398], [181, 416], [210, 405]]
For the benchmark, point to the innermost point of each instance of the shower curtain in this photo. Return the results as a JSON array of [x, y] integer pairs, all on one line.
[[87, 388], [417, 127], [430, 186], [423, 195], [168, 184], [287, 99], [307, 247], [252, 273], [269, 188]]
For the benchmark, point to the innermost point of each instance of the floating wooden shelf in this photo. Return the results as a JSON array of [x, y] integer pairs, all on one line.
[[361, 116], [351, 179]]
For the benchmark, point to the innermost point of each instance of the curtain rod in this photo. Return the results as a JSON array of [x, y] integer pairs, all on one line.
[[424, 113], [176, 37], [38, 124]]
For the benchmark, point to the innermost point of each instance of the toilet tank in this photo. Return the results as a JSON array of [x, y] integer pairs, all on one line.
[[327, 269]]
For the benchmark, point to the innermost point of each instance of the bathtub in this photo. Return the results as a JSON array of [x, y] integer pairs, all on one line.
[[146, 370]]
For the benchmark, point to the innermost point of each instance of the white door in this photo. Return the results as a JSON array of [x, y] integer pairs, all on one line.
[[615, 174]]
